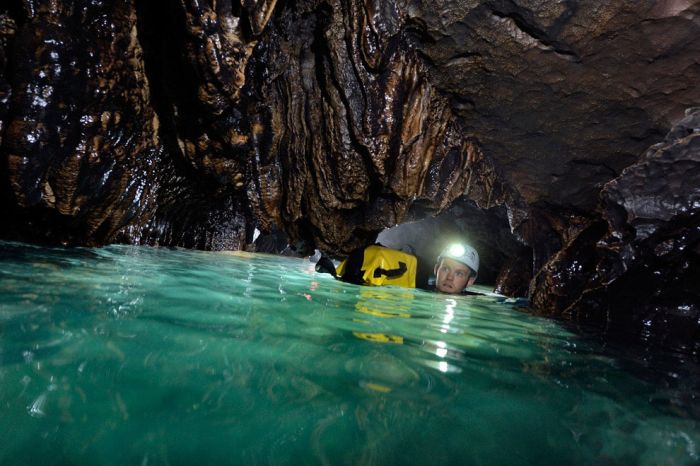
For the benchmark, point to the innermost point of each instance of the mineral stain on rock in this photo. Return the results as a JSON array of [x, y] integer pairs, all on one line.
[[194, 123]]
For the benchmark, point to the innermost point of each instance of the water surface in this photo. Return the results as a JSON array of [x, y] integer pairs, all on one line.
[[137, 355]]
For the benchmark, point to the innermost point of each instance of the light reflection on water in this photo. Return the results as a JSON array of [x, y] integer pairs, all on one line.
[[156, 356]]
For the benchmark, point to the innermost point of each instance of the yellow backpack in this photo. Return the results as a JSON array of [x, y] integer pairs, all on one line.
[[377, 265]]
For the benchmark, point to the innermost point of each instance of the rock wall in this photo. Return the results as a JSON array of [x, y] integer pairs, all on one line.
[[196, 122], [637, 269], [80, 139]]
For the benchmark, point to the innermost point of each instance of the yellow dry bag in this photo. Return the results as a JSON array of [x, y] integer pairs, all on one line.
[[377, 265]]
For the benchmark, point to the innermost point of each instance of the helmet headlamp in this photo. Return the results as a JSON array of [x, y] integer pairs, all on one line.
[[456, 250], [463, 253]]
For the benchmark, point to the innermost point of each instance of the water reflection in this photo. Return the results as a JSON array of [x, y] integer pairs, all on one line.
[[378, 306], [384, 304]]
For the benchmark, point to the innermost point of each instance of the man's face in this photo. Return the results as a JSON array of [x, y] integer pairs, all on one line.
[[452, 276]]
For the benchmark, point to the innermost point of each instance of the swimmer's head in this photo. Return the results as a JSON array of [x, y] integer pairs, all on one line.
[[456, 268]]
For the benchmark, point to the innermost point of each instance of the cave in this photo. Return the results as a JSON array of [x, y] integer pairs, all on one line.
[[562, 138], [151, 152]]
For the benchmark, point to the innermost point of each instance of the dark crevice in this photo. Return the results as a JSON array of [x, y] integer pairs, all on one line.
[[415, 33], [538, 34], [171, 79], [569, 12], [190, 198], [593, 163], [655, 134], [14, 9], [463, 55]]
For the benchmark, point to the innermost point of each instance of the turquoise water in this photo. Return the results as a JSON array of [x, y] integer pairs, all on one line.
[[136, 355]]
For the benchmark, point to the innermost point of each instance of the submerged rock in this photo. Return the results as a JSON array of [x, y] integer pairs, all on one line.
[[196, 123]]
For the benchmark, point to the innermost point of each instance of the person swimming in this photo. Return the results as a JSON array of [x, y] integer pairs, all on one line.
[[456, 268]]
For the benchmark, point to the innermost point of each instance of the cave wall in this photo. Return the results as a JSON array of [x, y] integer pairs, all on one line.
[[292, 117], [354, 134], [80, 139], [636, 269], [194, 123]]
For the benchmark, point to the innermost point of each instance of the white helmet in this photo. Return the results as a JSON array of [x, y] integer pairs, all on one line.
[[463, 253]]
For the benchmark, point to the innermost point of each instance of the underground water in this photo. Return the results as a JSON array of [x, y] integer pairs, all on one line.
[[140, 355]]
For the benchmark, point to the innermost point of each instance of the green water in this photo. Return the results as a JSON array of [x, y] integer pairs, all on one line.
[[135, 355]]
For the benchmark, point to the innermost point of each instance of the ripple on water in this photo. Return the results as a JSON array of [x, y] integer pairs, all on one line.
[[134, 354]]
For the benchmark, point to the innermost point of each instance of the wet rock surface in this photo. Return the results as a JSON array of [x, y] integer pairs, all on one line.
[[637, 269], [194, 123]]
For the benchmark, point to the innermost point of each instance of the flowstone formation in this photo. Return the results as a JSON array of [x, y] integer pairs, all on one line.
[[194, 123]]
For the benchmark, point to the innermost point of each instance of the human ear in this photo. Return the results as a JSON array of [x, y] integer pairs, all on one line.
[[471, 281]]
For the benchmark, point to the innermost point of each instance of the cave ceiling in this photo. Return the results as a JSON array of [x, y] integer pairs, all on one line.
[[563, 95], [195, 122]]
